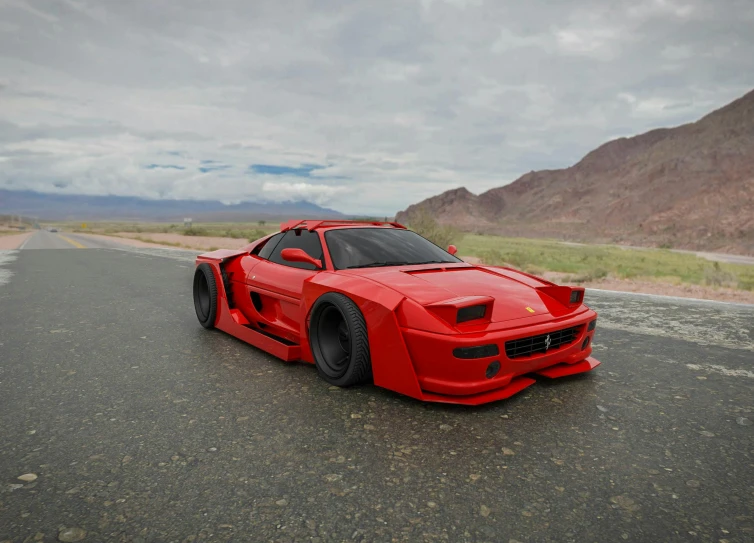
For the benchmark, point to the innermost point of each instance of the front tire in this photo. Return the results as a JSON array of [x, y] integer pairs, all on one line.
[[205, 295], [339, 342]]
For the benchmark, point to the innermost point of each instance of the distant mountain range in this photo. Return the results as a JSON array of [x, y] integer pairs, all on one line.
[[59, 207], [688, 187]]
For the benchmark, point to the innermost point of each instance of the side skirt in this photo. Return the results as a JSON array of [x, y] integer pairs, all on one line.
[[233, 322]]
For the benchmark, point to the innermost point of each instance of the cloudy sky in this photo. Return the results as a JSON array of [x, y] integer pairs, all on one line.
[[363, 106]]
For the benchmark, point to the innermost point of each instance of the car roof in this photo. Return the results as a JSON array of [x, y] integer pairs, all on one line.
[[312, 225]]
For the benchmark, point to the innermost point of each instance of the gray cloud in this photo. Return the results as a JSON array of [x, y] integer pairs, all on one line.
[[400, 99]]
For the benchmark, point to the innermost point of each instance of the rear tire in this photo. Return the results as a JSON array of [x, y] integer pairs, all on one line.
[[205, 295], [339, 342]]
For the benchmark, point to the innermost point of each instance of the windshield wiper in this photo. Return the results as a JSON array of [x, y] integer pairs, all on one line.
[[379, 264]]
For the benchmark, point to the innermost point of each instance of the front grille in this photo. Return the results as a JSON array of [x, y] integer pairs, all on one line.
[[527, 346]]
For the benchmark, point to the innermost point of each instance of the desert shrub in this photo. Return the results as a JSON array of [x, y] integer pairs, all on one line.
[[256, 234], [589, 262], [746, 283], [592, 275], [715, 276], [510, 259], [534, 270], [491, 257], [441, 235], [193, 231]]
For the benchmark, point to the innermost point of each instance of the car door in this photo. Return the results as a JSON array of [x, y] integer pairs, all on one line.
[[276, 285]]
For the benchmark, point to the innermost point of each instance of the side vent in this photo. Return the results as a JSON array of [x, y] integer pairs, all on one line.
[[256, 299], [226, 286]]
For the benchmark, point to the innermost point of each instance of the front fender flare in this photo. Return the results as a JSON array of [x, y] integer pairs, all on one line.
[[391, 364]]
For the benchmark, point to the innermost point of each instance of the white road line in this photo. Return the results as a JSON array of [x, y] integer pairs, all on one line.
[[26, 241]]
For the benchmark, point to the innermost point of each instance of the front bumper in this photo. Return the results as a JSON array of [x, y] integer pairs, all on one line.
[[442, 375]]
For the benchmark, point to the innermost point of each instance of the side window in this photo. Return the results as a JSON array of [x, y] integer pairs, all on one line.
[[298, 239], [266, 250]]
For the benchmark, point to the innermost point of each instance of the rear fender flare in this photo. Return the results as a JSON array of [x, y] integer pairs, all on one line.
[[224, 263]]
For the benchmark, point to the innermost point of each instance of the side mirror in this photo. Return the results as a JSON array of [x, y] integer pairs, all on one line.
[[452, 249], [299, 255]]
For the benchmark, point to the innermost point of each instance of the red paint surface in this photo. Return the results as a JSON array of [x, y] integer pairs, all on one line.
[[409, 312]]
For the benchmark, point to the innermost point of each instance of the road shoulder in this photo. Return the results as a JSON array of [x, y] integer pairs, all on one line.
[[14, 241]]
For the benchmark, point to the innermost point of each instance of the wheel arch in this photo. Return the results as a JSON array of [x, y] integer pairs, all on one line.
[[219, 261], [391, 364]]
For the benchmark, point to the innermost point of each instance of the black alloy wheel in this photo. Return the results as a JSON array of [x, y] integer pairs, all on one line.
[[205, 295], [338, 339]]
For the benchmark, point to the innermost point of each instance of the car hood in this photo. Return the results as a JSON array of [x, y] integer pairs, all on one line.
[[515, 294]]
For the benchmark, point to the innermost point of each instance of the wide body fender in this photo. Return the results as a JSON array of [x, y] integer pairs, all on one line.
[[232, 320], [391, 364]]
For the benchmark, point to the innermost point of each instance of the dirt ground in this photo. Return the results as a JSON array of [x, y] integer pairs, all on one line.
[[128, 240], [12, 241], [200, 243]]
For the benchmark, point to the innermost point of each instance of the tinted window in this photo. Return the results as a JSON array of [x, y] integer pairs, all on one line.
[[370, 247], [269, 246], [298, 239]]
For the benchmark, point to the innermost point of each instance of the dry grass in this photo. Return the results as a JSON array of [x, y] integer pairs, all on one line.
[[589, 263], [573, 263], [247, 231]]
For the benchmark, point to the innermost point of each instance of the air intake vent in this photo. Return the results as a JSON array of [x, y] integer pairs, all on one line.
[[476, 352], [544, 343]]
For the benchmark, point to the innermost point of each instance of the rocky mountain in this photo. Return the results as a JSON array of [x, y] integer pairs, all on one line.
[[687, 187], [82, 207]]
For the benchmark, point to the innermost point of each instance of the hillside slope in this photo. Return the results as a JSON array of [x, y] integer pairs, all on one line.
[[687, 187]]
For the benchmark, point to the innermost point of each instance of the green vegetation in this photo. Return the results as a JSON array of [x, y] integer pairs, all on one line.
[[589, 262], [580, 263], [150, 240], [440, 234], [249, 231]]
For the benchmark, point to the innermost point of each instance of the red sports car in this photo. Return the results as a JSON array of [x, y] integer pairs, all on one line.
[[373, 301]]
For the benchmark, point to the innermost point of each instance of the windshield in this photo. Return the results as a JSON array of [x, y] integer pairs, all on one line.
[[377, 247]]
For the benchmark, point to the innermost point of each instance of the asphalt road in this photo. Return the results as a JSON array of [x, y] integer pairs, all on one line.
[[43, 239], [142, 426]]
